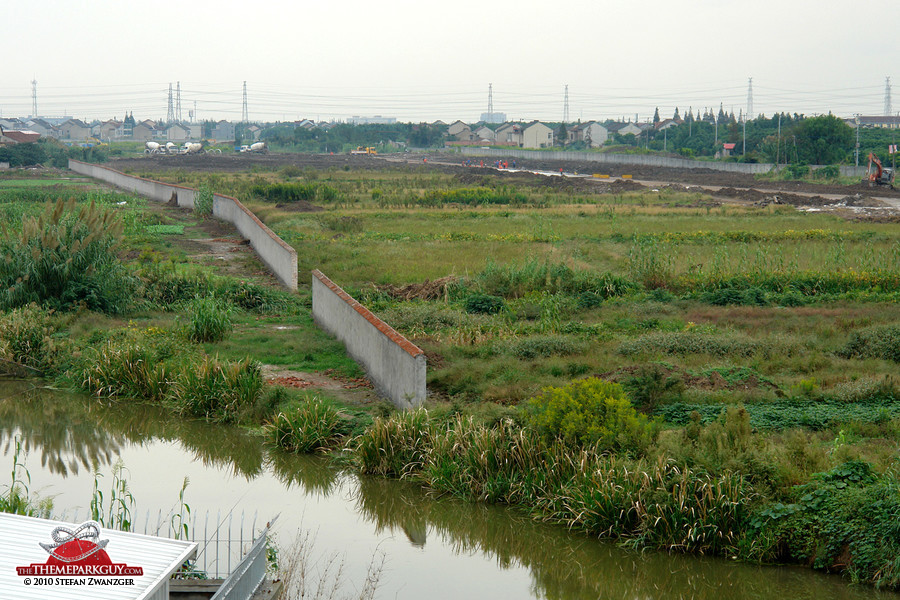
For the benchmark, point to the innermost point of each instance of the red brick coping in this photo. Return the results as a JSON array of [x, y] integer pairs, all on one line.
[[383, 327]]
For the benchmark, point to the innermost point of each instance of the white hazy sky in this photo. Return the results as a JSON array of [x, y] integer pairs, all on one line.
[[425, 60]]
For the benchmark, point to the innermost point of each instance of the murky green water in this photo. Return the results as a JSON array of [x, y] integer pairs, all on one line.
[[433, 548]]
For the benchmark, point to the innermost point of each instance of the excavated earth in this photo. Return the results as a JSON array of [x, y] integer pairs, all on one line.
[[852, 201]]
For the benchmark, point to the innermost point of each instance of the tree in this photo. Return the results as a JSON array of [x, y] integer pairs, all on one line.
[[562, 136], [822, 140], [656, 116], [676, 117]]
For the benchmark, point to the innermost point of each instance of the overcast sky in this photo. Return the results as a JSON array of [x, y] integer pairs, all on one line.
[[425, 60]]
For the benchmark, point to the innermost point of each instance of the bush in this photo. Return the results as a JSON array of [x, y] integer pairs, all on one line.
[[752, 296], [591, 412], [542, 346], [484, 304], [874, 342], [844, 519], [652, 385], [210, 319], [64, 258]]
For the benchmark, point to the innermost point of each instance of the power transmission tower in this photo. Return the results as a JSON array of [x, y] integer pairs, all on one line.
[[888, 109], [170, 115], [749, 99], [245, 115], [34, 98], [491, 102], [178, 103], [566, 106]]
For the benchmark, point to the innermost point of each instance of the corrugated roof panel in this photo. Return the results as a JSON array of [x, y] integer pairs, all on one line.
[[158, 557]]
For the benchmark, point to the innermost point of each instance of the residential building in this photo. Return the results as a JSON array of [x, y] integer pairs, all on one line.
[[143, 131], [178, 132], [74, 130], [508, 134], [224, 131], [42, 127], [484, 133], [592, 133], [537, 135], [458, 127], [8, 138], [109, 130]]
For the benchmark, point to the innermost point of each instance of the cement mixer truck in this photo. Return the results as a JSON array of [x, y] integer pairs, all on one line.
[[191, 148], [151, 148]]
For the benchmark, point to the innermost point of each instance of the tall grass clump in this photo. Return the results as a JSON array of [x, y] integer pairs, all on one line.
[[217, 390], [133, 367], [517, 280], [591, 412], [394, 446], [311, 426], [64, 258], [203, 201], [210, 319], [26, 341]]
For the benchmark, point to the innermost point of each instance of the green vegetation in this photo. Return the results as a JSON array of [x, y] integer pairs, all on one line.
[[651, 367]]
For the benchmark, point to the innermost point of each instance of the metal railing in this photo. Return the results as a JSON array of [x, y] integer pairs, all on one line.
[[243, 582], [221, 540]]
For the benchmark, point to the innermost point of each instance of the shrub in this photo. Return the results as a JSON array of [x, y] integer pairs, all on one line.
[[652, 385], [64, 258], [844, 519], [874, 342], [590, 412], [394, 446], [311, 426], [686, 342], [484, 304], [210, 319]]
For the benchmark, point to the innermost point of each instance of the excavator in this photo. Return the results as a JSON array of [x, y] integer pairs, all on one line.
[[879, 175]]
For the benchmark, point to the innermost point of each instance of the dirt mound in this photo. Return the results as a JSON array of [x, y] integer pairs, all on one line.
[[299, 206], [429, 290]]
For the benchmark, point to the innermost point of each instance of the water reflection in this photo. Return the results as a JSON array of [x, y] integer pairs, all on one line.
[[73, 434]]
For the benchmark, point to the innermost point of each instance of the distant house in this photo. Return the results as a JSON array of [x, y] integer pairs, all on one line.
[[253, 132], [537, 135], [42, 127], [484, 133], [508, 134], [128, 126], [889, 122], [727, 149], [11, 124], [592, 133], [458, 127], [305, 124], [178, 132], [8, 138], [110, 130], [74, 130], [625, 129], [668, 123], [224, 131], [143, 131]]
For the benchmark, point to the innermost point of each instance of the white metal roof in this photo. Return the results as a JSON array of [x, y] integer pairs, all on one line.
[[19, 538]]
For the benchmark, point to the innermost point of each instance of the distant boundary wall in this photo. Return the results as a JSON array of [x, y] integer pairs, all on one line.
[[280, 258], [394, 364], [645, 160]]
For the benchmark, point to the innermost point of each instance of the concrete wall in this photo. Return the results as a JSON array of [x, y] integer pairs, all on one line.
[[648, 160], [394, 364], [271, 249]]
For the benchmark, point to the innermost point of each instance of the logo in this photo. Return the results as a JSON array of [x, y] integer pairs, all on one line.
[[78, 553]]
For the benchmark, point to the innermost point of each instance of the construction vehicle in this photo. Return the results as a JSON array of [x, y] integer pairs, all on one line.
[[366, 150], [879, 175]]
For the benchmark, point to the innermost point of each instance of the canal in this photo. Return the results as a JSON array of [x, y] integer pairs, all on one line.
[[436, 548]]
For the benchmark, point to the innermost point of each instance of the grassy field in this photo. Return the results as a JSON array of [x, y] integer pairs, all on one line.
[[760, 347], [657, 290]]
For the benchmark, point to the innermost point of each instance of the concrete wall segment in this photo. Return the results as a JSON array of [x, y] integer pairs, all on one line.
[[395, 365]]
